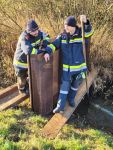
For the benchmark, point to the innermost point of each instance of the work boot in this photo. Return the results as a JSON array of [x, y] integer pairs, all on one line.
[[21, 85], [24, 91], [60, 107], [27, 88], [58, 110], [71, 103], [21, 90], [27, 91]]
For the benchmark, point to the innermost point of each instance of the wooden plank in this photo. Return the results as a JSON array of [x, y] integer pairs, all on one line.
[[14, 101], [8, 91], [52, 128], [8, 97], [42, 84]]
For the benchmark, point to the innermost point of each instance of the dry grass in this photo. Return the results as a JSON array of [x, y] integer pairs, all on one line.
[[50, 16]]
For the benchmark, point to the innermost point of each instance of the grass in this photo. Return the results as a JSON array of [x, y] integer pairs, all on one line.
[[19, 130]]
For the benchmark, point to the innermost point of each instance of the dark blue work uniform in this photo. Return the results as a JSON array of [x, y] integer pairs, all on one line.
[[73, 61]]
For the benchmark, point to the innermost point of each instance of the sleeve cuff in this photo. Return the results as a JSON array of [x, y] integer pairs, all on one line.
[[87, 23]]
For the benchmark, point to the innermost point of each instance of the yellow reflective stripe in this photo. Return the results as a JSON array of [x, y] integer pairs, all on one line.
[[78, 66], [73, 40], [37, 42], [65, 66], [63, 41], [47, 38], [83, 75], [52, 47], [20, 63], [74, 67], [34, 51], [76, 39], [89, 34], [79, 39]]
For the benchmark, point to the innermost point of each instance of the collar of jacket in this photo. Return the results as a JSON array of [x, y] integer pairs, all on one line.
[[67, 36], [28, 35], [77, 32]]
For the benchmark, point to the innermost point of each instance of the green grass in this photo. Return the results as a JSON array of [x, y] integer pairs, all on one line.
[[19, 130]]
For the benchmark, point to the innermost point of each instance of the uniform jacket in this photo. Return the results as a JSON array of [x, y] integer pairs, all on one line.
[[28, 44], [72, 49]]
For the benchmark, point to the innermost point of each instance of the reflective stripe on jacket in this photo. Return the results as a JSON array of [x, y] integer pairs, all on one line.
[[72, 49], [28, 44]]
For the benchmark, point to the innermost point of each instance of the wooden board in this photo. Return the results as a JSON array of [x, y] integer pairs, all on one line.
[[10, 97], [41, 80], [52, 128], [8, 91], [13, 101]]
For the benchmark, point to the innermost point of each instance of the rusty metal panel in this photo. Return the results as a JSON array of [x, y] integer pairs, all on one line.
[[41, 76]]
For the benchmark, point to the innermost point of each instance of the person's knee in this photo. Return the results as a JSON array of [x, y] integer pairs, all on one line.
[[65, 85], [21, 82]]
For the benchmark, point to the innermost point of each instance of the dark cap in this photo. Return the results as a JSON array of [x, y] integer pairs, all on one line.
[[31, 26], [71, 21]]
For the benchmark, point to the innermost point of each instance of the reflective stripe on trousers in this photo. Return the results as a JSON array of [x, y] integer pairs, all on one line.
[[68, 90], [64, 89]]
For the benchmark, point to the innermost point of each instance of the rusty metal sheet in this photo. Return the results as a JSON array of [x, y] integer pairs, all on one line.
[[41, 76], [52, 128]]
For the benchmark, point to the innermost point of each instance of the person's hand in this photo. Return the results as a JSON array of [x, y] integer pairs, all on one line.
[[46, 57], [83, 18]]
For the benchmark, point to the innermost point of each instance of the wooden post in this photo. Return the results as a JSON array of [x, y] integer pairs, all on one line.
[[30, 79], [84, 52]]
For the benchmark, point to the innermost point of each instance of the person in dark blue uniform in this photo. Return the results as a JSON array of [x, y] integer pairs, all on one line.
[[74, 67], [31, 41]]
